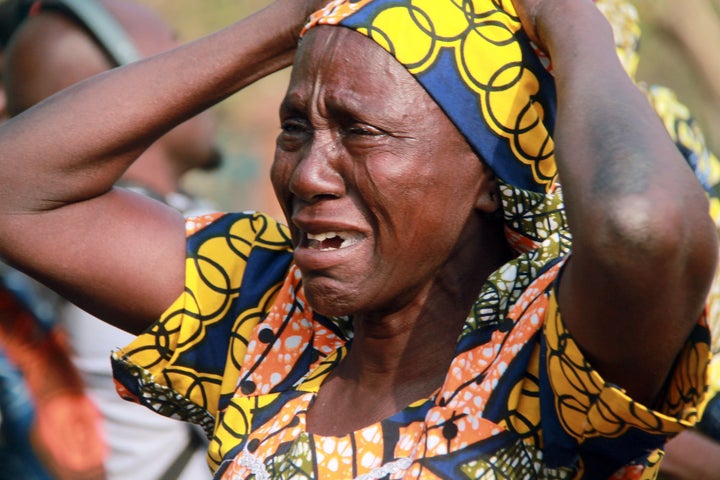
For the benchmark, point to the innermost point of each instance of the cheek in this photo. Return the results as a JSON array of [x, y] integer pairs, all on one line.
[[423, 219], [436, 213], [280, 174], [406, 195]]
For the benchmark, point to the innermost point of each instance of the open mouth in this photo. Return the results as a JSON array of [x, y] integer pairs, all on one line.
[[332, 240]]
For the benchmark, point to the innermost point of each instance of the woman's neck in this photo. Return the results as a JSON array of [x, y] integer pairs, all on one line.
[[400, 357]]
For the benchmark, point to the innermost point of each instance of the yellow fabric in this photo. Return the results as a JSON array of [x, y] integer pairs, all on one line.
[[245, 358]]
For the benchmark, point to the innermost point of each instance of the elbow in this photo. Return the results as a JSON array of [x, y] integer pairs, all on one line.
[[644, 239]]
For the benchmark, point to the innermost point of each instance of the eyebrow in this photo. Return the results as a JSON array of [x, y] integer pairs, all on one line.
[[290, 104]]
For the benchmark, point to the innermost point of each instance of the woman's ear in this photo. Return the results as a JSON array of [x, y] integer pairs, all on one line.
[[488, 197]]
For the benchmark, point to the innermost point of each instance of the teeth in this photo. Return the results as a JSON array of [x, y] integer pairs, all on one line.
[[323, 236], [332, 240]]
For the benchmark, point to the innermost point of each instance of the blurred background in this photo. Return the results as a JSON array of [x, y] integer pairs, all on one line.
[[680, 49]]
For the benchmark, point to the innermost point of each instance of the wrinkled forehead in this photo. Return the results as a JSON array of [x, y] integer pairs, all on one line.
[[344, 58], [341, 76], [343, 48]]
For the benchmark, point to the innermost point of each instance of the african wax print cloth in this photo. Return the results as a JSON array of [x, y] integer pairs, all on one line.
[[243, 354]]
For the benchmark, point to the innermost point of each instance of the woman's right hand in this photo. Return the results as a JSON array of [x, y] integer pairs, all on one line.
[[298, 11]]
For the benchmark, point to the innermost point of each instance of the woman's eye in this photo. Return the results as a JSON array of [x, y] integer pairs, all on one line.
[[363, 130], [293, 134], [293, 126]]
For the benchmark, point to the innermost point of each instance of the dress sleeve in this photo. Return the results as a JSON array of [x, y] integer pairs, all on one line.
[[583, 413], [186, 365]]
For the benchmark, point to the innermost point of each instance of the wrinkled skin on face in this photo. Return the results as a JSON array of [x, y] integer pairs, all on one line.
[[383, 195]]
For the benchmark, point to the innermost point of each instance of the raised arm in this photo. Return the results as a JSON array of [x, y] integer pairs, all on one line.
[[116, 254], [644, 247]]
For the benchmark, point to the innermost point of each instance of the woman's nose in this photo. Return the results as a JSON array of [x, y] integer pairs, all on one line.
[[316, 176]]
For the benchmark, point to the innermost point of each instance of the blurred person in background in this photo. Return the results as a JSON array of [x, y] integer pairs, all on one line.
[[49, 428], [59, 44]]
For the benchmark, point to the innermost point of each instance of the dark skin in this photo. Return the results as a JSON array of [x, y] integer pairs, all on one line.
[[618, 166]]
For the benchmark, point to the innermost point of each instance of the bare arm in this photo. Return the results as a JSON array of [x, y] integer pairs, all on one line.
[[691, 456], [118, 255], [644, 247]]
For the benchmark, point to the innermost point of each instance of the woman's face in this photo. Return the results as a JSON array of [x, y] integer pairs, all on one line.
[[376, 183]]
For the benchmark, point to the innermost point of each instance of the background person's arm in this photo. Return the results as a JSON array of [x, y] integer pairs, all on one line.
[[691, 456], [118, 255], [644, 246]]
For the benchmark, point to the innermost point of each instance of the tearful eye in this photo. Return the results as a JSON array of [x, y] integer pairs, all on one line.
[[363, 130], [294, 126], [293, 134]]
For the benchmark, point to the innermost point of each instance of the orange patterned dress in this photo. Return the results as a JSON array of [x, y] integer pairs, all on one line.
[[243, 354]]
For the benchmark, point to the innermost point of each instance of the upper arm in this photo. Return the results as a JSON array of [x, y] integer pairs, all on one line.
[[644, 253], [631, 302], [120, 256], [644, 247]]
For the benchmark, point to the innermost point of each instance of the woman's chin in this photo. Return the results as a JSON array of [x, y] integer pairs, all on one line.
[[328, 300]]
